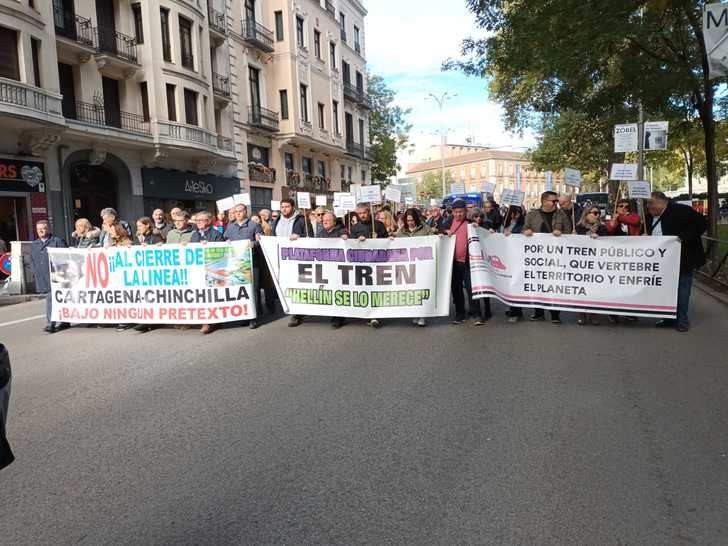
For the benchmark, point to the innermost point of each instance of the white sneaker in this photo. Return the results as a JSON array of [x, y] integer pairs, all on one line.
[[421, 322]]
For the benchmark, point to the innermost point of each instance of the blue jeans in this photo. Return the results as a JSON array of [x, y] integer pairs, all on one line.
[[684, 285]]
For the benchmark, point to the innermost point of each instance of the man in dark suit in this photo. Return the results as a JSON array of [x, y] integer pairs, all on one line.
[[41, 268], [668, 218]]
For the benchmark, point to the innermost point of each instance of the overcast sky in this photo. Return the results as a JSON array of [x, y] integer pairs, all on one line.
[[407, 40]]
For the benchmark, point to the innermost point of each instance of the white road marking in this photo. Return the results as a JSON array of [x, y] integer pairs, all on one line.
[[10, 323]]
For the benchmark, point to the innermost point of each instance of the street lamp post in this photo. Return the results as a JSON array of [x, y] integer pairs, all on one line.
[[440, 100]]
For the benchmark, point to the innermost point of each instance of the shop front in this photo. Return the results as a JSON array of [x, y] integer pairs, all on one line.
[[166, 189], [22, 198]]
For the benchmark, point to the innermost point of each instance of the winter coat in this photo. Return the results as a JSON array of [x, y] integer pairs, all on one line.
[[422, 230], [338, 231], [6, 454], [177, 236], [151, 239], [243, 232], [39, 261], [299, 226], [89, 239], [687, 224], [631, 220], [438, 225], [365, 230], [211, 236], [104, 235], [586, 230], [536, 222], [564, 221]]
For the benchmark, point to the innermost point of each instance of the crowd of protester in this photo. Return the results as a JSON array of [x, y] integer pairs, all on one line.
[[556, 215]]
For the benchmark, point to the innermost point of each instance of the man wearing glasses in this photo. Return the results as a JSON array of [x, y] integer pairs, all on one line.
[[543, 220]]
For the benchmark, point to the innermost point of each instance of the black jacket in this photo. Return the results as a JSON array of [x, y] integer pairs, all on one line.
[[299, 226], [152, 239], [365, 230], [338, 231], [212, 236], [682, 221], [39, 261], [6, 455]]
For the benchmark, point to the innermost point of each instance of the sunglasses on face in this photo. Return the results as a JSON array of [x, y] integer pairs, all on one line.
[[622, 206], [595, 212]]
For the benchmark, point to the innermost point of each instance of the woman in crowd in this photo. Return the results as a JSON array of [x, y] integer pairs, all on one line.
[[385, 217], [477, 218], [590, 224], [350, 220], [221, 221], [513, 225], [414, 227], [493, 219], [145, 233], [86, 235], [626, 220]]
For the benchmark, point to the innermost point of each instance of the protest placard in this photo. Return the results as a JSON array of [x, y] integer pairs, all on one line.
[[572, 177], [512, 197], [487, 187], [457, 187], [224, 205], [607, 275], [656, 135], [370, 194], [624, 171], [320, 200], [242, 199], [626, 138], [303, 200], [639, 189], [171, 284], [275, 205], [392, 194], [372, 279]]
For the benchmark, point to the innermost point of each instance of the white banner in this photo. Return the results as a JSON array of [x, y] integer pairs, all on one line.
[[170, 284], [656, 135], [626, 138], [408, 277], [624, 171], [609, 275], [572, 177]]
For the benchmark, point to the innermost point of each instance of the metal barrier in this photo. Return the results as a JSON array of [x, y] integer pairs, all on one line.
[[716, 252]]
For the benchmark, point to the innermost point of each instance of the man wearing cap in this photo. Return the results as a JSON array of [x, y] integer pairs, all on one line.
[[460, 267]]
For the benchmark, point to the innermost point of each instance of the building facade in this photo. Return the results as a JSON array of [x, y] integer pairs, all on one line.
[[162, 103], [507, 170]]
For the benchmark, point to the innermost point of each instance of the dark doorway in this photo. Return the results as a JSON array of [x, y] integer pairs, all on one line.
[[14, 221], [349, 124], [107, 25], [112, 104], [92, 189], [68, 90]]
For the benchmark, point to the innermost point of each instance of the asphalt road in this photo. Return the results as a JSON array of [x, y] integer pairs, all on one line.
[[504, 434]]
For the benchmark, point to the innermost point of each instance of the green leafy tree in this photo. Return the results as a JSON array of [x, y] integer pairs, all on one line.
[[388, 129], [599, 59], [431, 185]]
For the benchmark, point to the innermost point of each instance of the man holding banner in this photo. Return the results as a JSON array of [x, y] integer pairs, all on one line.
[[542, 221], [242, 229], [668, 218]]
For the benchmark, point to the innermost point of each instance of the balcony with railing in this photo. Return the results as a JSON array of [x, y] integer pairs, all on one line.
[[217, 21], [263, 118], [221, 85], [99, 116], [354, 148], [345, 185], [330, 9], [258, 36], [75, 28], [192, 137], [261, 173], [357, 95], [23, 101], [117, 53]]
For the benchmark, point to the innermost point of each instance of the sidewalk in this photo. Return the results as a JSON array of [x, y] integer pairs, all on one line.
[[12, 300]]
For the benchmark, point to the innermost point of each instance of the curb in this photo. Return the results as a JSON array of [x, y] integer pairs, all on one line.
[[12, 300], [721, 296]]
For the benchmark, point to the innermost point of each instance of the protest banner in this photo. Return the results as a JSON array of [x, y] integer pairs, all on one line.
[[171, 284], [623, 171], [512, 197], [371, 194], [634, 276], [303, 200], [639, 189], [487, 187], [242, 199], [407, 277], [626, 138], [392, 194], [572, 177]]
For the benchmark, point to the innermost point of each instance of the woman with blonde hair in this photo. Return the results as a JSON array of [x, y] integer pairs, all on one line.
[[86, 234], [590, 224]]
